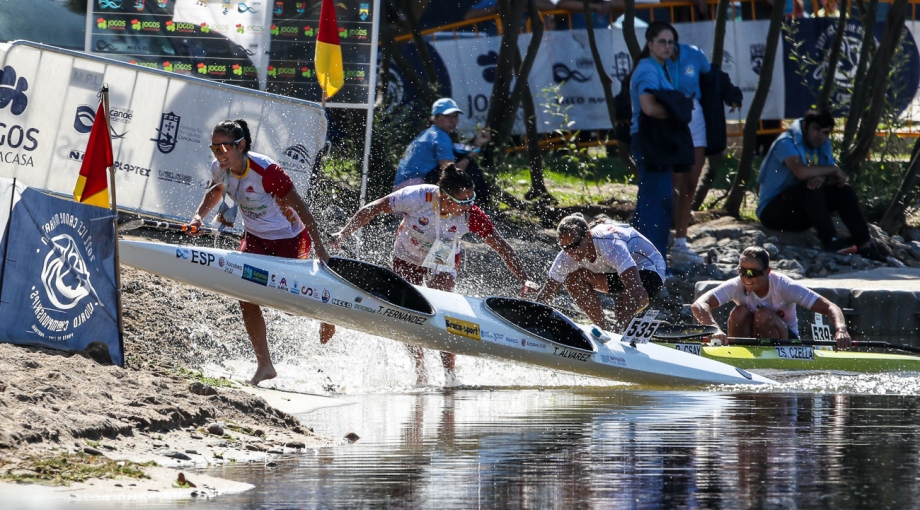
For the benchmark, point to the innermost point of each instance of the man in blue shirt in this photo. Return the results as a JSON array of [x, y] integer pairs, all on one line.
[[801, 186]]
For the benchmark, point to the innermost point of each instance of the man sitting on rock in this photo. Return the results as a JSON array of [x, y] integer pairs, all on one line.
[[764, 303], [801, 186]]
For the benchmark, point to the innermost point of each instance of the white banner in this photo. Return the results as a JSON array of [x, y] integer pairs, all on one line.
[[162, 123]]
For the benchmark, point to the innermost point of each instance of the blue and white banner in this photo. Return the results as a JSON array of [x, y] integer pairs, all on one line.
[[564, 61], [57, 273]]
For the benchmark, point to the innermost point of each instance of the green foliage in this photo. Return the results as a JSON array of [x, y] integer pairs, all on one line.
[[66, 468]]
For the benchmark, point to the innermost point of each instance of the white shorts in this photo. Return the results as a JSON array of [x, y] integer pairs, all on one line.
[[698, 125]]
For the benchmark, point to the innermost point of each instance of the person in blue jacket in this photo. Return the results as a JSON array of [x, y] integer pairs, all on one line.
[[801, 186], [657, 68], [434, 148]]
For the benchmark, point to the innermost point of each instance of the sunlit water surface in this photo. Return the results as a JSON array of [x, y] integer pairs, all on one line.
[[510, 436]]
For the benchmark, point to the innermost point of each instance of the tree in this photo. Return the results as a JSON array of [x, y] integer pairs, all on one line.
[[833, 58], [736, 193], [894, 219]]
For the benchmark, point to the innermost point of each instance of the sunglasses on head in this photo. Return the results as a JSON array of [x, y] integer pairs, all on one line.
[[219, 148], [572, 245], [468, 201], [750, 273]]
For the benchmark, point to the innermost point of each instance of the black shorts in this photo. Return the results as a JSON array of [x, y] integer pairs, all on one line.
[[650, 280]]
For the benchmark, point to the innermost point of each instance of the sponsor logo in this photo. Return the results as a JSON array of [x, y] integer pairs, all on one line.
[[359, 299], [255, 275], [339, 302], [221, 261], [85, 116], [167, 132], [571, 354], [758, 51], [489, 62], [88, 80], [325, 296], [243, 8], [401, 315], [613, 360], [562, 72], [300, 7], [183, 253], [279, 8], [462, 328], [423, 221], [203, 258], [78, 155], [532, 343], [298, 158], [295, 288], [64, 302], [364, 11], [109, 4], [166, 175], [180, 27], [622, 64], [282, 284], [12, 95]]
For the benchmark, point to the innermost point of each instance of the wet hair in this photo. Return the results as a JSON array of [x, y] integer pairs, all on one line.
[[759, 254], [573, 224], [453, 180], [655, 28], [822, 118], [236, 129]]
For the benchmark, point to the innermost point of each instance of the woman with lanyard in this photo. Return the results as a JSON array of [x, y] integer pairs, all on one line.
[[605, 257], [656, 70], [427, 248], [276, 220]]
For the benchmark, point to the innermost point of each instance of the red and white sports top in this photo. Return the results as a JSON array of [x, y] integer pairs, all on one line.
[[422, 223], [258, 192]]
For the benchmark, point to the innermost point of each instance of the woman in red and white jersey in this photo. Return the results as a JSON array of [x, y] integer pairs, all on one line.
[[427, 248], [276, 220]]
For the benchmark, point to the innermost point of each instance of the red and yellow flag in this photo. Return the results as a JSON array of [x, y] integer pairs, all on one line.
[[328, 59], [93, 184]]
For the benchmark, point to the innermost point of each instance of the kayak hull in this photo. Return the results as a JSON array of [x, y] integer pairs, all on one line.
[[801, 358], [373, 300]]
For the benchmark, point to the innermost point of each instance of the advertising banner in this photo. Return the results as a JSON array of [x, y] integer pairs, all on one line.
[[161, 124], [57, 273]]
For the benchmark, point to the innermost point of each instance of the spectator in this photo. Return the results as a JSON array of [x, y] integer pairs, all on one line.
[[801, 186], [661, 140]]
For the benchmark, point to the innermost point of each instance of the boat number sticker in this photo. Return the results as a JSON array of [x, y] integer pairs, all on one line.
[[462, 328], [820, 330], [797, 352], [691, 348], [640, 329]]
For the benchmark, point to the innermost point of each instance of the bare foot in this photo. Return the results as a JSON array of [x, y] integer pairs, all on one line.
[[326, 331], [262, 374]]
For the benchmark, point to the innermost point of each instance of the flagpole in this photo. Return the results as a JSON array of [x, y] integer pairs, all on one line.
[[114, 209]]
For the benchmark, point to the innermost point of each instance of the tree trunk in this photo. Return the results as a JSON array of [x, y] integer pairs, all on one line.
[[894, 219], [879, 72], [708, 175], [427, 95], [866, 52], [510, 17], [629, 30], [736, 194], [833, 58], [427, 66], [521, 70], [534, 153]]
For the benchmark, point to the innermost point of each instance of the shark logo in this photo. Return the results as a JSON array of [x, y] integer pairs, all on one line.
[[64, 274]]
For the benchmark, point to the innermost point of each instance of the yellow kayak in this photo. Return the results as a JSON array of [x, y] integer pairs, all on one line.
[[801, 357]]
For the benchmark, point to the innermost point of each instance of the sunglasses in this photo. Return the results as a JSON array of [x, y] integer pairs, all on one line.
[[468, 201], [572, 245], [750, 273], [665, 42], [219, 148]]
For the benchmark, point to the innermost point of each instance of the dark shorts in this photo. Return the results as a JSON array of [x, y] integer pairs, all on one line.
[[297, 247], [650, 280]]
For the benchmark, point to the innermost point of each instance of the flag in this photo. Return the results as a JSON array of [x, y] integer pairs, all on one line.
[[93, 184], [328, 58]]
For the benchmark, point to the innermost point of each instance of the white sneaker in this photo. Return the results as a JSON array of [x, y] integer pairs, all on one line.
[[681, 255]]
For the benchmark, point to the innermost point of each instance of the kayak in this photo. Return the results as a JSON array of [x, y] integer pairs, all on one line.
[[800, 357], [374, 300]]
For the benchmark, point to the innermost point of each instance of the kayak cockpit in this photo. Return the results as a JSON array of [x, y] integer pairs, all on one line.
[[381, 283], [539, 320]]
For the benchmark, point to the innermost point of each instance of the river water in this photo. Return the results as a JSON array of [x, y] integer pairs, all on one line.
[[510, 436]]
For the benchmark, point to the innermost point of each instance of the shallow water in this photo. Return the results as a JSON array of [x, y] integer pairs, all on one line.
[[512, 436]]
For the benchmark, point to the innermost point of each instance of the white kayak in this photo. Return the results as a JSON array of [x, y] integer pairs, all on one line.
[[374, 300]]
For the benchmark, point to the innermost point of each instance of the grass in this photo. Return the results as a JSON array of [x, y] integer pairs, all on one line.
[[200, 377], [67, 468]]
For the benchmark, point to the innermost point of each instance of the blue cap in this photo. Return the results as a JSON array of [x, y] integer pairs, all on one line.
[[444, 106]]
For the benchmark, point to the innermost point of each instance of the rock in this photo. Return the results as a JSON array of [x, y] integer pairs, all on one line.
[[351, 437], [172, 454], [295, 444], [199, 388], [216, 429], [893, 262], [91, 451]]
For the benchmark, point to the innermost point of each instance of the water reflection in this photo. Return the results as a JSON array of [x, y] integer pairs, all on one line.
[[602, 449]]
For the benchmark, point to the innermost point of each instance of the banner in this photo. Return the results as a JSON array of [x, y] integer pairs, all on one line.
[[58, 274], [564, 61], [161, 124]]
